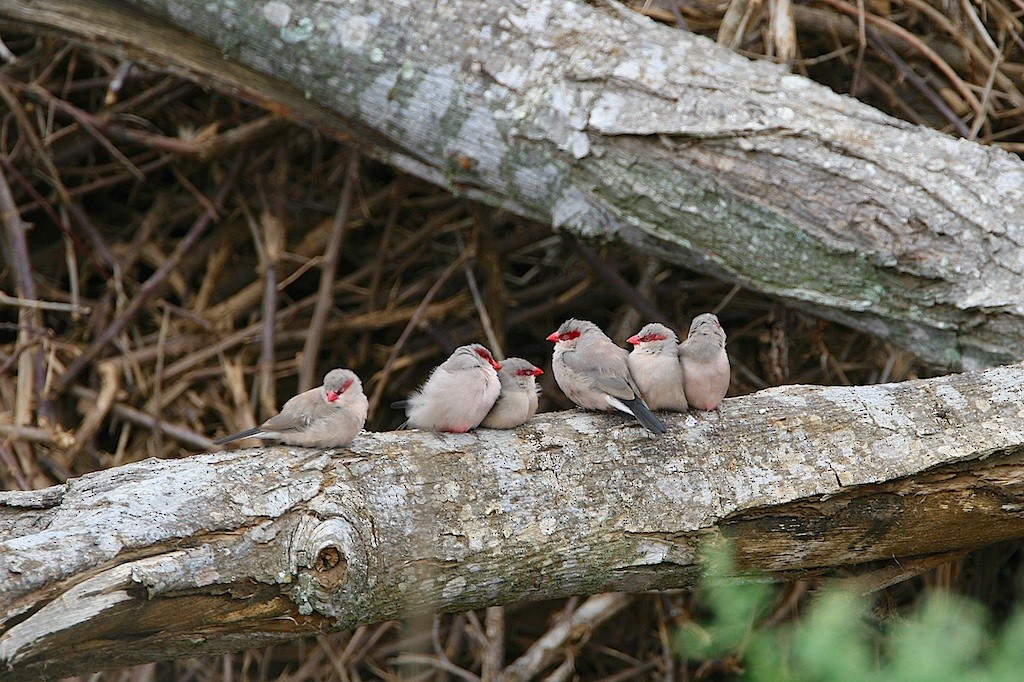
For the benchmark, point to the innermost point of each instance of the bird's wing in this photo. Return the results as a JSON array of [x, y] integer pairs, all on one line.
[[297, 414], [604, 368]]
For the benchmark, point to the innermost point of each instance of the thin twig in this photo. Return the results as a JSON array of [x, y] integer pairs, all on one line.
[[396, 192], [920, 84], [59, 219], [311, 349], [862, 44], [667, 655], [929, 53], [6, 54], [580, 625], [31, 369], [31, 137], [183, 435], [17, 245], [273, 247], [55, 306], [98, 409], [635, 673], [564, 670], [631, 319], [623, 289], [481, 309], [100, 128], [433, 661], [385, 374], [494, 651], [736, 288], [87, 188], [156, 400], [269, 247], [986, 97], [30, 434], [11, 462]]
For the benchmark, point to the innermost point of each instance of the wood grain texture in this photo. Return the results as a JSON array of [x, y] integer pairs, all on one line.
[[216, 552], [601, 122]]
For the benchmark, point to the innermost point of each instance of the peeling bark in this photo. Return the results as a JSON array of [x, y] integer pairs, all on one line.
[[601, 122], [216, 552]]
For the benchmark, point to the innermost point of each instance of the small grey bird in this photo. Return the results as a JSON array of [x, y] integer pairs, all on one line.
[[328, 416], [458, 394], [654, 366], [593, 372], [705, 363], [517, 402]]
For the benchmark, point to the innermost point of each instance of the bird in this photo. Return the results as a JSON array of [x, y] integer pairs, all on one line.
[[705, 363], [328, 416], [517, 402], [655, 368], [593, 373], [457, 395]]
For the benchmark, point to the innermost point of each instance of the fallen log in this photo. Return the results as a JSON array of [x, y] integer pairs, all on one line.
[[217, 552], [600, 122]]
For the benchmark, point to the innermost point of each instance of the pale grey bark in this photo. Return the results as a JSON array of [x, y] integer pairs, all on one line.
[[168, 558], [606, 124]]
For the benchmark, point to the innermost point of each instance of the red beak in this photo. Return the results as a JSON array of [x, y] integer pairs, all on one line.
[[331, 396], [635, 340], [537, 371], [495, 364], [553, 337]]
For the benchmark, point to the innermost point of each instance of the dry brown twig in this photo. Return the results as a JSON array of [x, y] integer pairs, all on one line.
[[414, 320], [315, 333], [578, 626]]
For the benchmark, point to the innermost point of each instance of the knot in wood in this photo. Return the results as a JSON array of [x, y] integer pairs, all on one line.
[[321, 550], [327, 558], [330, 566]]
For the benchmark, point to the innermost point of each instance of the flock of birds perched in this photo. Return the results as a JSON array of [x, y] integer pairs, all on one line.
[[472, 389]]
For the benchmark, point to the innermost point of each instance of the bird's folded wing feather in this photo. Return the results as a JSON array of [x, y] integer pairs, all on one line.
[[296, 414], [604, 368]]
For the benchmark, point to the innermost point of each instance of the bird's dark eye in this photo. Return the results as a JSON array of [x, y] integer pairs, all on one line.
[[569, 335]]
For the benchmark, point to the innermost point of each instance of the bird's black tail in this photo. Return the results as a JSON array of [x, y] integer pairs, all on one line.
[[236, 436], [645, 416]]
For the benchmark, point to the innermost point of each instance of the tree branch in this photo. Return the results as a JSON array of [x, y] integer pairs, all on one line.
[[216, 552], [649, 135]]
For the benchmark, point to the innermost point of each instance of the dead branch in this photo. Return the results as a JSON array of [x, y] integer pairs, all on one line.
[[651, 136], [220, 551]]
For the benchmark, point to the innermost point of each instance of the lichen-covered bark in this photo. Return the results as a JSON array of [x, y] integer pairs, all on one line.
[[601, 122], [215, 552]]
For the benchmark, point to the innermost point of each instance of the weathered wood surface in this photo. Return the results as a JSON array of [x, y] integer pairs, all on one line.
[[169, 558], [606, 124]]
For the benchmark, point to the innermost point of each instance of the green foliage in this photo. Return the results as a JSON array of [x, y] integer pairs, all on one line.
[[735, 605], [944, 637]]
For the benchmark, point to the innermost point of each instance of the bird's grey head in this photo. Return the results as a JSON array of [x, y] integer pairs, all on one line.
[[518, 373], [570, 332], [341, 382], [655, 337], [708, 325], [475, 355]]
